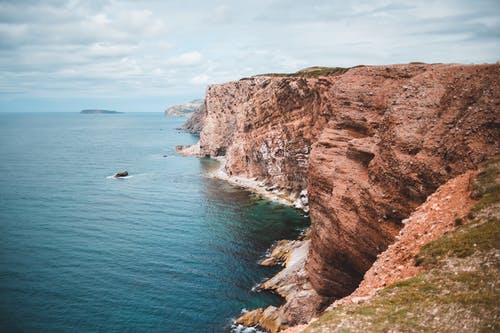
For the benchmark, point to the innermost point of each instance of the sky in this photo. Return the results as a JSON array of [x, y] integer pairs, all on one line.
[[137, 56]]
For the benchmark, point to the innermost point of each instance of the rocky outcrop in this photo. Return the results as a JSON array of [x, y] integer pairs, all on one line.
[[369, 144], [292, 284], [121, 174], [195, 123]]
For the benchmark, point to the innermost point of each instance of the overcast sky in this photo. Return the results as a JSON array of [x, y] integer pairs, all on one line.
[[145, 55]]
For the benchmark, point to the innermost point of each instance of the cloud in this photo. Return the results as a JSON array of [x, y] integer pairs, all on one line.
[[186, 59], [154, 48], [199, 79]]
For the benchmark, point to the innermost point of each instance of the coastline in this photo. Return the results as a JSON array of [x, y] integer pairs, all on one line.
[[259, 188], [367, 162], [290, 281]]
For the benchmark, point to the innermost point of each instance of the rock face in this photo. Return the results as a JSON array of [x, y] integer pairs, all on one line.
[[369, 145], [195, 123], [265, 126], [397, 133], [431, 220], [447, 253]]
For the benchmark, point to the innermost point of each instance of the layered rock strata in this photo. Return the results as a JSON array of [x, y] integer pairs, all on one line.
[[397, 133], [449, 245], [369, 145], [265, 127], [437, 216]]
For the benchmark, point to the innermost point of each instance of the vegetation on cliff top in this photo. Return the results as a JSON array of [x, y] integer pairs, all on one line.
[[458, 292], [311, 72]]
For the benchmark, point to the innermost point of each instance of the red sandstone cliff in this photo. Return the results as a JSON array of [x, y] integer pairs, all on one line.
[[369, 145], [265, 127], [397, 134]]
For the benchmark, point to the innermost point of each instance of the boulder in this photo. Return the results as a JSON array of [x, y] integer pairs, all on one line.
[[121, 174]]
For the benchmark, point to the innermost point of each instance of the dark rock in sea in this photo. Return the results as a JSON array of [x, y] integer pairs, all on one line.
[[121, 174]]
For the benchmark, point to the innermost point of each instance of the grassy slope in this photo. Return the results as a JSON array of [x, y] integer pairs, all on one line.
[[459, 291]]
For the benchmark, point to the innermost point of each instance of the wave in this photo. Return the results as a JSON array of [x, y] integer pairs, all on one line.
[[238, 328], [244, 329]]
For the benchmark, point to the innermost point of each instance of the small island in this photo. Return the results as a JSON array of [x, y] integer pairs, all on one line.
[[96, 111]]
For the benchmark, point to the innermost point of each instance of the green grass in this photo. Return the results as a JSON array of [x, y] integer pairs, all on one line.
[[486, 187], [312, 72], [461, 243], [479, 234], [422, 304]]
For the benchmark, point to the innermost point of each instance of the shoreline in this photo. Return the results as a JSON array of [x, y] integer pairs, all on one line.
[[289, 282], [259, 188]]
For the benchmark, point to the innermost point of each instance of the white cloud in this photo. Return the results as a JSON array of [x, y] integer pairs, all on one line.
[[146, 48], [199, 79], [100, 19], [186, 59], [110, 50]]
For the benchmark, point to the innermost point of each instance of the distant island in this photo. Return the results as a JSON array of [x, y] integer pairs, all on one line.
[[184, 110], [92, 111]]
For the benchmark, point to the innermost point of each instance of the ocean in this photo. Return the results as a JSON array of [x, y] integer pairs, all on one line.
[[165, 250]]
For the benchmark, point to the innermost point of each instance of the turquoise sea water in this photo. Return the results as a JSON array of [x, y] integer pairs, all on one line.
[[165, 250]]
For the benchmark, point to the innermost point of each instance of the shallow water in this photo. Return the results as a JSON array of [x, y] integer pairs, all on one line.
[[165, 250]]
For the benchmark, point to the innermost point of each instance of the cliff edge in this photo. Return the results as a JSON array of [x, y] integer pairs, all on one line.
[[441, 273], [367, 144]]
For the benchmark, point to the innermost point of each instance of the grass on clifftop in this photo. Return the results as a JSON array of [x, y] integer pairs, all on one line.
[[458, 293], [312, 72], [459, 296]]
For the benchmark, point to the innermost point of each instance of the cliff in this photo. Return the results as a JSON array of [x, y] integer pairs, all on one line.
[[441, 273], [195, 123], [369, 145], [397, 134]]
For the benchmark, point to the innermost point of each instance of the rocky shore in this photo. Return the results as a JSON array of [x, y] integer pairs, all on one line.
[[361, 149], [259, 187]]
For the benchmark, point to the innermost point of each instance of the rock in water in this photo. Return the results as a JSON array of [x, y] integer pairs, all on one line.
[[121, 174]]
